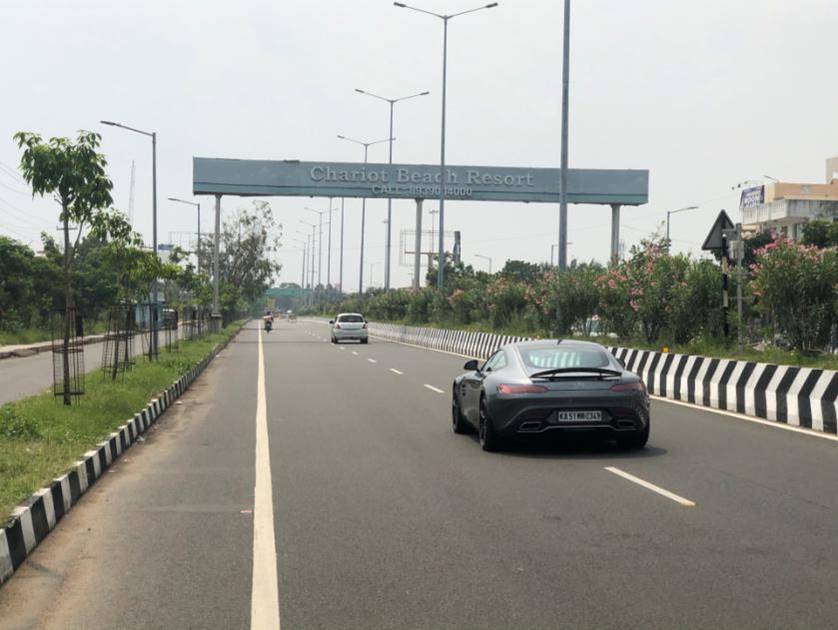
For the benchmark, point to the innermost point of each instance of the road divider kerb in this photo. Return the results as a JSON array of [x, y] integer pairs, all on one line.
[[35, 518]]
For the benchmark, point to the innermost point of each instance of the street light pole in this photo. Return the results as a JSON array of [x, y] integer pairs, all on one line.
[[670, 213], [197, 205], [153, 345], [366, 146], [445, 18], [489, 258], [340, 274], [564, 158], [387, 247]]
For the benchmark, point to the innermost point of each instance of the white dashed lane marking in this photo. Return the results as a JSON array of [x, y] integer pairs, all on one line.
[[651, 486], [434, 389], [395, 371], [372, 360]]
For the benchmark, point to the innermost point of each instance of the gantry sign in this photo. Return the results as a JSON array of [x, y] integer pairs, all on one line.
[[264, 178]]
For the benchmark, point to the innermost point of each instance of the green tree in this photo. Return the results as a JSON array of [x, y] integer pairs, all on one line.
[[74, 172], [820, 233]]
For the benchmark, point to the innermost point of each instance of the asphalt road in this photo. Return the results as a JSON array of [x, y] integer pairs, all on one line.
[[383, 518]]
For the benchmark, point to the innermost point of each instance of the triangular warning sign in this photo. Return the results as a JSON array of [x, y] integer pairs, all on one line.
[[714, 238]]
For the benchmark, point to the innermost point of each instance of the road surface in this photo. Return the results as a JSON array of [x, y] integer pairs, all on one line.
[[383, 518]]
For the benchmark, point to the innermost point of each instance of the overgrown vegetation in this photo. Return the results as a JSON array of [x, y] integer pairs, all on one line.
[[651, 299], [40, 438]]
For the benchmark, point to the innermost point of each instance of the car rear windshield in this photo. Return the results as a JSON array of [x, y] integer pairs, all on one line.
[[558, 357], [350, 319]]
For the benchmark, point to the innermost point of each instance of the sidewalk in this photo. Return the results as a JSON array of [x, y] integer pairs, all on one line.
[[31, 349]]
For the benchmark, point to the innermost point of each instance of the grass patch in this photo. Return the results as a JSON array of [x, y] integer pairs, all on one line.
[[40, 438]]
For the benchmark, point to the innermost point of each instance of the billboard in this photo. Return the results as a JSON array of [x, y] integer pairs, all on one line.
[[752, 197], [218, 176]]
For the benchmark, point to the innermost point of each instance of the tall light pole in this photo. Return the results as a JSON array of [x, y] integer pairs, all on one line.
[[320, 213], [311, 250], [154, 345], [304, 246], [366, 146], [197, 205], [305, 256], [340, 273], [565, 105], [392, 102], [445, 18], [489, 258], [670, 213]]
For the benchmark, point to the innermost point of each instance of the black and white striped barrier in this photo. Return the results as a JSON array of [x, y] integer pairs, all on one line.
[[34, 519], [798, 396]]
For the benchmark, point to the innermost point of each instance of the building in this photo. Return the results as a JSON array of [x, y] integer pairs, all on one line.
[[785, 207]]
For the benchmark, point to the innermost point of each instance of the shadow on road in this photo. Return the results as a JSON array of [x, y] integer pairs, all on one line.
[[575, 447]]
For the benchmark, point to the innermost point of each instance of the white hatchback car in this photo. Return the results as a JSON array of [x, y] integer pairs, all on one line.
[[349, 326]]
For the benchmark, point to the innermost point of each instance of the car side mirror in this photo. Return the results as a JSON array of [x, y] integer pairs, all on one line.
[[621, 362], [472, 366], [331, 321]]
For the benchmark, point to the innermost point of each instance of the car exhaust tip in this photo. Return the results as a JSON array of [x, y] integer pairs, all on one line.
[[530, 425]]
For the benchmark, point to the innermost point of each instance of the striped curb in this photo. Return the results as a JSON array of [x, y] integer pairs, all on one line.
[[36, 517], [797, 396]]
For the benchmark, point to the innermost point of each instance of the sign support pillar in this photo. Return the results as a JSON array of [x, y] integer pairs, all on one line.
[[417, 247], [216, 307], [615, 232]]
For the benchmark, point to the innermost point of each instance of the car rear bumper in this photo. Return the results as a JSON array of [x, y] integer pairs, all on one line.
[[619, 414], [350, 335]]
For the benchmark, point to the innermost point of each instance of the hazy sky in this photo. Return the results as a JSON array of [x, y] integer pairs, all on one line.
[[704, 95]]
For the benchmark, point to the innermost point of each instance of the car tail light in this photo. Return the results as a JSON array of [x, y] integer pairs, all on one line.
[[521, 389], [629, 387]]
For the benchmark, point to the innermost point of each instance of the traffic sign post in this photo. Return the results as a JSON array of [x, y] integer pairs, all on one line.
[[717, 240]]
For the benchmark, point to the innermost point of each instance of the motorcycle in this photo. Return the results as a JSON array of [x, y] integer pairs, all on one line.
[[268, 325]]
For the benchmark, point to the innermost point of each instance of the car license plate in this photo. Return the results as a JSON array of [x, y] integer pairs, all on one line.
[[579, 416]]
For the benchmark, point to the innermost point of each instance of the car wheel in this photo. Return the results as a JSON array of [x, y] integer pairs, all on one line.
[[365, 340], [334, 340], [489, 438], [458, 421], [634, 440]]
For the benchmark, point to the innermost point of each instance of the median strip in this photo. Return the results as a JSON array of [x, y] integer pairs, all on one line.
[[650, 486]]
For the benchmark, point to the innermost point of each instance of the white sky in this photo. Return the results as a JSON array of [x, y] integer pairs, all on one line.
[[704, 95]]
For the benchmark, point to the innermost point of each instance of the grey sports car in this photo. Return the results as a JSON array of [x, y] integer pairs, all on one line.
[[549, 386]]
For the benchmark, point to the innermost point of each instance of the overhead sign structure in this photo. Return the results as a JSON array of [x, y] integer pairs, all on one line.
[[215, 176], [715, 240], [293, 178]]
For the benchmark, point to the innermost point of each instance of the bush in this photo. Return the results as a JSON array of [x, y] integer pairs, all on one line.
[[797, 285], [507, 301]]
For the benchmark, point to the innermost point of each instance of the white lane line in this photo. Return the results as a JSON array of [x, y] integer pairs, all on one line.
[[341, 348], [355, 353], [264, 601], [395, 371], [651, 486], [434, 389], [372, 360]]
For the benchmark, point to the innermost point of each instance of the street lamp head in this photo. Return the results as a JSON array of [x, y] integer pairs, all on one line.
[[424, 93], [360, 91], [400, 5], [491, 6], [109, 122]]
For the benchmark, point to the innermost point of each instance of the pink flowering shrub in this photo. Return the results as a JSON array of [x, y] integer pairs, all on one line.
[[797, 286]]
